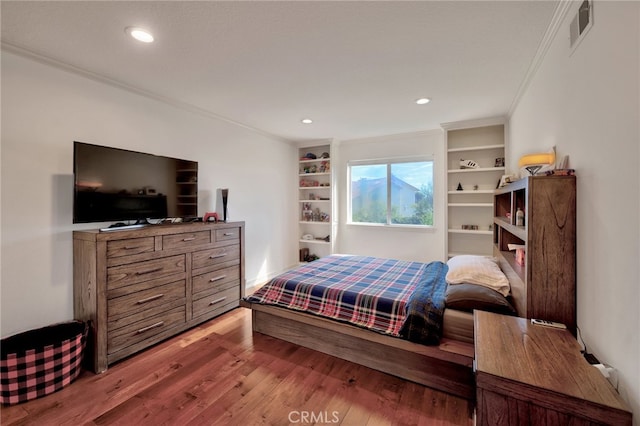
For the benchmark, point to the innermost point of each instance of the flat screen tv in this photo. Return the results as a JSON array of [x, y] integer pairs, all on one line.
[[112, 184]]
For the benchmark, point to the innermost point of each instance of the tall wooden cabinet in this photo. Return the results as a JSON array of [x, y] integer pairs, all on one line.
[[545, 277], [138, 287], [316, 212], [470, 189]]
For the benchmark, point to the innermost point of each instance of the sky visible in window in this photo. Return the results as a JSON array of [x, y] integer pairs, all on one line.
[[412, 173]]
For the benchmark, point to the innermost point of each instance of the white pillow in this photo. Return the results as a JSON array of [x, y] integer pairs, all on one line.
[[478, 270]]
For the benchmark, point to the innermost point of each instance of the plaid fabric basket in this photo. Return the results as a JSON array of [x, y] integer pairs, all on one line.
[[41, 361]]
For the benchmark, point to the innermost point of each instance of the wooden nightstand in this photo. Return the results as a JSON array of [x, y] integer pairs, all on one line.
[[534, 375]]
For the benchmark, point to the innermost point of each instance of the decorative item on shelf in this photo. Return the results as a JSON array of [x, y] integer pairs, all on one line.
[[307, 213], [308, 237], [325, 155], [468, 164], [475, 187], [519, 252], [519, 217], [560, 172], [459, 188], [499, 162], [470, 227], [304, 254], [306, 183], [310, 156], [538, 163], [505, 180], [324, 167]]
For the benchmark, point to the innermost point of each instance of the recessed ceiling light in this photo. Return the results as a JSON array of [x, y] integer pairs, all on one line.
[[423, 101], [139, 34], [306, 121]]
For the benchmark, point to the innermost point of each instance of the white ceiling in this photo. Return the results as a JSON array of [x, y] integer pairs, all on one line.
[[355, 67]]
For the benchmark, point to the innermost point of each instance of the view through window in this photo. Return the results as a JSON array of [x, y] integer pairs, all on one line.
[[393, 193]]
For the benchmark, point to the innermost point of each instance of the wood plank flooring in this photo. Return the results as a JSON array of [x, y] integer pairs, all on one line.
[[221, 373]]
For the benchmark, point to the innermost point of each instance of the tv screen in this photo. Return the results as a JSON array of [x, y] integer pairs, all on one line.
[[113, 184]]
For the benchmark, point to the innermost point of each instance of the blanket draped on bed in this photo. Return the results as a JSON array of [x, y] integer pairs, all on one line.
[[399, 298]]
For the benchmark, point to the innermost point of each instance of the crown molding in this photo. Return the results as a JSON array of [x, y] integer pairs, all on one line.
[[132, 89], [558, 17]]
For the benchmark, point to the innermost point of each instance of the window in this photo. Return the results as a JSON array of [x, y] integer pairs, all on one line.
[[391, 192]]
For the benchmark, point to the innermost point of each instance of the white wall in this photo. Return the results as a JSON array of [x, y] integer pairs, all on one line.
[[393, 242], [588, 105], [44, 109]]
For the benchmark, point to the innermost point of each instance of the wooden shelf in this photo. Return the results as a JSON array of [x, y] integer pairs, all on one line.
[[315, 242], [481, 169], [476, 148], [518, 231], [546, 284], [470, 205], [470, 191], [471, 231], [314, 174], [314, 160]]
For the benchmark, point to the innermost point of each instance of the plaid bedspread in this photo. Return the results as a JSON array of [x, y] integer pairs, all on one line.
[[365, 291]]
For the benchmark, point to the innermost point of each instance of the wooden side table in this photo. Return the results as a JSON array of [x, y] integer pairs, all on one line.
[[529, 374]]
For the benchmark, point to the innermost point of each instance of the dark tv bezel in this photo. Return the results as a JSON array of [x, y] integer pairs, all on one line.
[[128, 218]]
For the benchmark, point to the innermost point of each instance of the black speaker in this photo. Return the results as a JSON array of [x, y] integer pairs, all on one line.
[[225, 197]]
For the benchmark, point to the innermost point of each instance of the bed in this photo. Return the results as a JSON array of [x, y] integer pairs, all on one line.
[[410, 319]]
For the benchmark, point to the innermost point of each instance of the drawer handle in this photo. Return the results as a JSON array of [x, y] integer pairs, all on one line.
[[150, 271], [152, 326], [217, 278], [217, 301], [216, 256], [228, 234], [189, 239], [149, 299]]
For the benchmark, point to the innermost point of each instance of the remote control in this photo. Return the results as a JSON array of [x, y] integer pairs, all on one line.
[[546, 323]]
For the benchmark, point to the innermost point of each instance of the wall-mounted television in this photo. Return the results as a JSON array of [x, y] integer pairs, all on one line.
[[113, 184]]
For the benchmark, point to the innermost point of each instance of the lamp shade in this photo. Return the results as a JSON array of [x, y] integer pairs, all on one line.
[[534, 162]]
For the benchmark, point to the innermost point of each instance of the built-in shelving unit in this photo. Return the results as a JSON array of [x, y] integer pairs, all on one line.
[[315, 202], [469, 210]]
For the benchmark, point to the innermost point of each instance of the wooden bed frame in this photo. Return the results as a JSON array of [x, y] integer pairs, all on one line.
[[447, 367]]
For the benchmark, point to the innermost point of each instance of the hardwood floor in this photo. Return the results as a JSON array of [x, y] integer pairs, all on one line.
[[220, 373]]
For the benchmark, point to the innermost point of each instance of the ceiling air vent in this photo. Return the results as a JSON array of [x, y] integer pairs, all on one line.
[[581, 23]]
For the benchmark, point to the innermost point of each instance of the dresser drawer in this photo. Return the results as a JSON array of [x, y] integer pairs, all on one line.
[[217, 256], [217, 303], [144, 329], [120, 248], [227, 234], [121, 276], [138, 301], [216, 280], [186, 240]]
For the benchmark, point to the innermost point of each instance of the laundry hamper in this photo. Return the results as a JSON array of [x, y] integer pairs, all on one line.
[[41, 361]]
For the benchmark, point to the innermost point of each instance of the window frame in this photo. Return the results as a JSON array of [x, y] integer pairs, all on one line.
[[388, 162]]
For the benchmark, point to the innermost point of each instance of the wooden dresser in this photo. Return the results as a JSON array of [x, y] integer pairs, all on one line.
[[534, 375], [139, 287]]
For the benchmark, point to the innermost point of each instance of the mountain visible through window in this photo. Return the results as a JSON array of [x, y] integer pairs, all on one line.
[[398, 193]]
